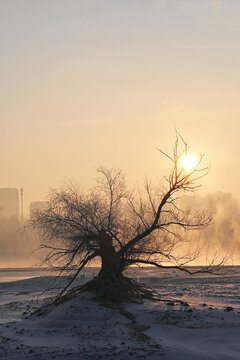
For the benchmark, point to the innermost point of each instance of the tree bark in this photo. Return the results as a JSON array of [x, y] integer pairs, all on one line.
[[110, 277]]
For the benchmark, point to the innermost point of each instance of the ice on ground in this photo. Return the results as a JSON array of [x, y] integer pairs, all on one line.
[[208, 327]]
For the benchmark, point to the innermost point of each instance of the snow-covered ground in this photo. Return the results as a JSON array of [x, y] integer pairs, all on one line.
[[207, 327]]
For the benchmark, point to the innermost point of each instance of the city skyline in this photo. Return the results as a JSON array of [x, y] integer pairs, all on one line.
[[84, 84], [119, 186], [12, 204]]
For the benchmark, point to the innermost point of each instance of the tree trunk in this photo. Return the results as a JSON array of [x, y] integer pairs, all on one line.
[[110, 284], [110, 277]]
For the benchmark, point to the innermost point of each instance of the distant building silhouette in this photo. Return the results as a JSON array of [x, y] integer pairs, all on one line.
[[38, 205], [9, 203]]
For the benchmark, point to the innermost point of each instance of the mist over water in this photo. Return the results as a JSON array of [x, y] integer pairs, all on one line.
[[223, 234], [18, 248]]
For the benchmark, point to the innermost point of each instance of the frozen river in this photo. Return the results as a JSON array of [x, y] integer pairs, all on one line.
[[217, 290], [205, 328]]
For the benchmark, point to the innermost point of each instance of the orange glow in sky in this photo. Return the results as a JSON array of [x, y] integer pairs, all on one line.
[[89, 83]]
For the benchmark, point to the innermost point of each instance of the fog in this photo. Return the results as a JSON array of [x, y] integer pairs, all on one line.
[[223, 234], [18, 248], [89, 82]]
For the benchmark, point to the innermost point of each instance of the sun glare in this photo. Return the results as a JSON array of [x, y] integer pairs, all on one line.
[[189, 162]]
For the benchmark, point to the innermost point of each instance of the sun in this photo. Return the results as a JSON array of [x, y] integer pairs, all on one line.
[[189, 162]]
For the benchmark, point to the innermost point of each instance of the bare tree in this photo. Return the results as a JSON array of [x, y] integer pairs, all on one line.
[[122, 227]]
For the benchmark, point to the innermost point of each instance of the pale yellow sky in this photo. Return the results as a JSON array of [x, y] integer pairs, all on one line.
[[89, 83]]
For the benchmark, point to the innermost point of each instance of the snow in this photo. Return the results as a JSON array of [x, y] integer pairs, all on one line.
[[208, 327]]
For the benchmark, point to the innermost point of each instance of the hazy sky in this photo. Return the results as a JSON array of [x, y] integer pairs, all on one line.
[[84, 83]]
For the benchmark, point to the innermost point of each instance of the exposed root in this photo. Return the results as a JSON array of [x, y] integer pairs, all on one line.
[[110, 294], [124, 290]]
